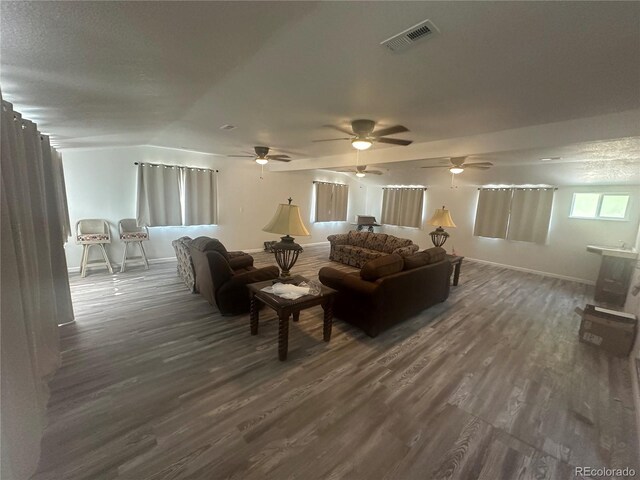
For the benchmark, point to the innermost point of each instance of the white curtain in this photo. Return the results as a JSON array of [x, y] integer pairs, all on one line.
[[35, 287], [402, 206], [158, 195], [200, 197], [530, 214], [492, 214], [332, 201]]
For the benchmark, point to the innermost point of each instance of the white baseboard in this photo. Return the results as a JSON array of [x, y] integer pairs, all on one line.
[[536, 272]]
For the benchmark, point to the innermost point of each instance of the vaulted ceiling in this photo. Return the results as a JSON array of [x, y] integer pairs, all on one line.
[[95, 74]]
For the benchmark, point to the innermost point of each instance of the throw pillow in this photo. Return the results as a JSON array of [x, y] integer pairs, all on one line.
[[381, 267]]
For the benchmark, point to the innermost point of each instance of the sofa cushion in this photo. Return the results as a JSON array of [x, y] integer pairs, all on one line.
[[426, 257], [394, 243], [376, 241], [357, 239], [381, 267]]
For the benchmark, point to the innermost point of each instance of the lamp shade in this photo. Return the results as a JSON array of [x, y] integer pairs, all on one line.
[[287, 221], [441, 218]]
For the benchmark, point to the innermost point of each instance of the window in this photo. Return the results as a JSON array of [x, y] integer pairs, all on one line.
[[331, 202], [402, 206], [174, 195], [521, 214], [604, 206]]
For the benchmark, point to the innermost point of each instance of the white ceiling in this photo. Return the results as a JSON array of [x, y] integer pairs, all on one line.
[[96, 74]]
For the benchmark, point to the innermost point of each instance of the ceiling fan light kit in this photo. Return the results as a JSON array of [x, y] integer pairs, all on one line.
[[456, 170], [261, 161], [360, 174], [361, 143]]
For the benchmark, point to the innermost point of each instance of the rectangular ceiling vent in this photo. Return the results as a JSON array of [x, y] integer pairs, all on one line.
[[410, 36]]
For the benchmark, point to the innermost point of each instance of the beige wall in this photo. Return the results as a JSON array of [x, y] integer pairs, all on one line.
[[565, 253], [101, 183]]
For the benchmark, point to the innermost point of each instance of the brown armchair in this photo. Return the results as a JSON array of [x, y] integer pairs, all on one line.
[[222, 277]]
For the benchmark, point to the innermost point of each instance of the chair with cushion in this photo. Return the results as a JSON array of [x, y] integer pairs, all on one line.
[[186, 270], [389, 289], [222, 276], [91, 232], [131, 233]]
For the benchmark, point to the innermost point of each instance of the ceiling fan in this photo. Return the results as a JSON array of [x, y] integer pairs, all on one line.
[[362, 135], [359, 170], [262, 156], [459, 164]]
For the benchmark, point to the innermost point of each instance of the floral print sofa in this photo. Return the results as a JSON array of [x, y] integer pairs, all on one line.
[[357, 248]]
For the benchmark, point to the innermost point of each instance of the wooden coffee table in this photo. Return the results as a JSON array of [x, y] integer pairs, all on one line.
[[286, 308]]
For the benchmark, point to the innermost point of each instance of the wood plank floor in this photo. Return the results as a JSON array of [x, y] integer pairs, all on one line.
[[492, 384]]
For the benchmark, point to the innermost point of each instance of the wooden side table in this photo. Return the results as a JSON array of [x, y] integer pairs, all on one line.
[[287, 308], [456, 261]]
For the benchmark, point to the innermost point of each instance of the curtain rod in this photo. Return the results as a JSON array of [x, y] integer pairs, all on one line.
[[331, 183], [518, 188], [405, 188], [175, 166]]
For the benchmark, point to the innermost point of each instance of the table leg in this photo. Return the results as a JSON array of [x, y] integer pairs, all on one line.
[[456, 273], [296, 316], [254, 312], [328, 319], [283, 336]]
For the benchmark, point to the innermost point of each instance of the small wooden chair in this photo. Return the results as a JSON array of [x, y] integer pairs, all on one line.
[[130, 232], [93, 232]]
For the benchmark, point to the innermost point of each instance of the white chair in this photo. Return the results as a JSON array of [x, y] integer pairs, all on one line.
[[92, 232], [130, 232]]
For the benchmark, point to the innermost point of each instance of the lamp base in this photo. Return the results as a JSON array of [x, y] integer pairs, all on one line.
[[286, 252], [439, 237]]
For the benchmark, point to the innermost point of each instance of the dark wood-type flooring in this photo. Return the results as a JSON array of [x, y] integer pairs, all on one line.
[[492, 384]]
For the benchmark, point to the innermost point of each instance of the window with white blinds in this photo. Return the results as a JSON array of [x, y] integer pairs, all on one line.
[[402, 206], [332, 201]]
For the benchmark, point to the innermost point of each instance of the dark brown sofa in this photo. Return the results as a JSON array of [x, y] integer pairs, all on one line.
[[357, 248], [222, 278], [389, 289]]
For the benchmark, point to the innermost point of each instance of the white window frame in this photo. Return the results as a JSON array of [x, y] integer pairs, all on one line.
[[601, 196]]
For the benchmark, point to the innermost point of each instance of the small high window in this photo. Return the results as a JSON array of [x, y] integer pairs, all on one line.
[[605, 206]]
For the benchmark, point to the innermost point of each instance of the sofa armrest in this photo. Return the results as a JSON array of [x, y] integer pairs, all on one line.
[[406, 251], [253, 276], [339, 239], [344, 281], [240, 260]]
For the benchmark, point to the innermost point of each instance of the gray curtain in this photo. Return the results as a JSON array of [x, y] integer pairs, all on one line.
[[200, 197], [35, 287], [530, 214], [402, 206], [158, 195], [331, 202], [492, 214]]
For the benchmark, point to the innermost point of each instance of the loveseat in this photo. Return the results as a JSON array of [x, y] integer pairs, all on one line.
[[222, 277], [357, 248], [389, 289]]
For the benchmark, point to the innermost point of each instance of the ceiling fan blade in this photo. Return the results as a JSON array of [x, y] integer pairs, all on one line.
[[390, 131], [479, 164], [242, 156], [346, 170], [331, 139], [394, 141], [437, 166], [278, 157], [340, 129], [373, 172], [479, 167]]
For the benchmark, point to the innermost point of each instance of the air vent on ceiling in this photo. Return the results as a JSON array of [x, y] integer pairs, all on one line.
[[411, 35]]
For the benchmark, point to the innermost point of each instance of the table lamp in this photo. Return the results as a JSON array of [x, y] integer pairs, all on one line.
[[287, 221], [441, 218]]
